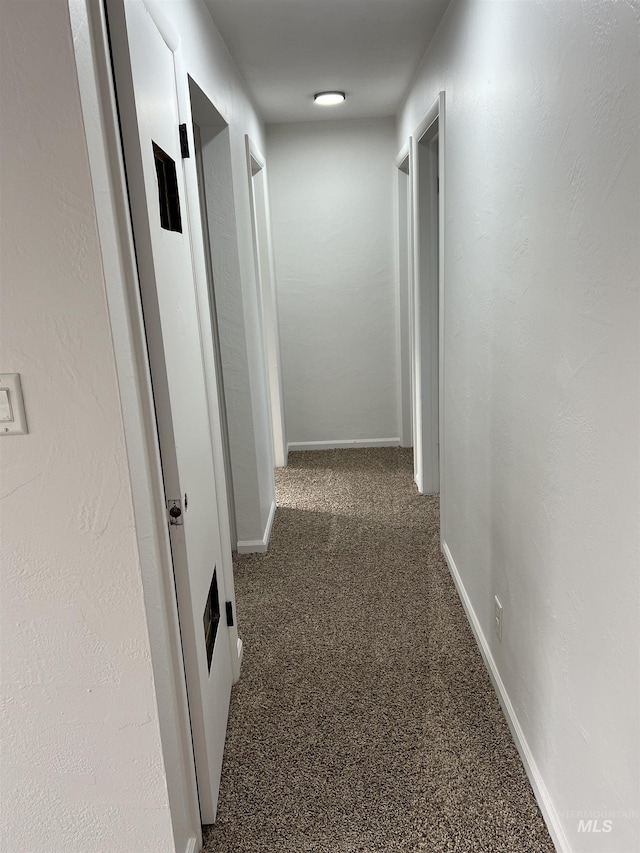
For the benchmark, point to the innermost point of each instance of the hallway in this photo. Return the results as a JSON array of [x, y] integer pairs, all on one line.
[[364, 719]]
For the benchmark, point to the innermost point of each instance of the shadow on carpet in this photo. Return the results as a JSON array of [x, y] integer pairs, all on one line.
[[364, 720]]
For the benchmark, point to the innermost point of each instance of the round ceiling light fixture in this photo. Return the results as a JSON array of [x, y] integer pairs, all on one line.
[[328, 99]]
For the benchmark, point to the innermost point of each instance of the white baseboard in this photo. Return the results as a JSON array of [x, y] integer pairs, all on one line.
[[258, 546], [340, 444], [540, 791], [192, 845], [240, 651]]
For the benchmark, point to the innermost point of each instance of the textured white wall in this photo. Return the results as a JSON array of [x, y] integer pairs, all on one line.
[[542, 373], [81, 765], [332, 205]]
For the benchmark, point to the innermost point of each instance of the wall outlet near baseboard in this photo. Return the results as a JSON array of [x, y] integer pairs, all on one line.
[[497, 617]]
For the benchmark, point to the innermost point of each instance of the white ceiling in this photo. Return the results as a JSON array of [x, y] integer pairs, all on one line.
[[288, 49]]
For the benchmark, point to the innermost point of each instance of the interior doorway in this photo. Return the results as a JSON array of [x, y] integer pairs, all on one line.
[[211, 130], [267, 295], [404, 319], [427, 207]]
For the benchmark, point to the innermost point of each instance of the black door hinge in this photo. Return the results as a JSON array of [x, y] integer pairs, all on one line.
[[184, 141], [228, 606]]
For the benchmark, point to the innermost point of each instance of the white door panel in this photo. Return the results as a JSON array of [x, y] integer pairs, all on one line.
[[148, 101]]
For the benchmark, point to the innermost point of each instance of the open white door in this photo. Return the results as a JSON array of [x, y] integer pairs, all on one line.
[[145, 71]]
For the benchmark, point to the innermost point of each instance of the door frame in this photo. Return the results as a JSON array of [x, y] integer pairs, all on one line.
[[122, 290], [209, 331], [429, 454], [267, 297], [404, 296]]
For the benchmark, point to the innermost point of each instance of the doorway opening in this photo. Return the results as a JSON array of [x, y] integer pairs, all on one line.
[[214, 192], [427, 209], [267, 296], [223, 358], [404, 300]]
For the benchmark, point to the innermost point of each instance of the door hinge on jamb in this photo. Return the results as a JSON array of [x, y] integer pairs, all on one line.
[[228, 606], [184, 141]]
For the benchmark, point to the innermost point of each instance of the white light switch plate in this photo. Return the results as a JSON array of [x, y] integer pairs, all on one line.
[[12, 417]]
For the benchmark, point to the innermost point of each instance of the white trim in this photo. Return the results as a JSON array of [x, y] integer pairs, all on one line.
[[169, 35], [398, 301], [402, 159], [265, 271], [428, 119], [258, 546], [540, 791], [239, 652], [192, 845], [339, 444], [428, 386], [403, 294], [442, 219], [416, 409], [256, 158]]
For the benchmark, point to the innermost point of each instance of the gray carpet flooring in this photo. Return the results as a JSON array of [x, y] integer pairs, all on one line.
[[364, 720]]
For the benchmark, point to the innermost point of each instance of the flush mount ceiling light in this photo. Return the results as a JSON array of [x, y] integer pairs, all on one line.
[[328, 99]]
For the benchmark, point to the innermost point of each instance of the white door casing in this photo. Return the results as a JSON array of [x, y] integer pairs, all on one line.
[[404, 297], [267, 296], [426, 158], [145, 71], [211, 335]]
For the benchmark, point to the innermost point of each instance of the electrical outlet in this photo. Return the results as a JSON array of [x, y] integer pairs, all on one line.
[[497, 617]]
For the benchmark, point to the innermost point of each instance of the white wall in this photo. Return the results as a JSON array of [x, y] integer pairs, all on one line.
[[332, 205], [82, 765], [542, 376]]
